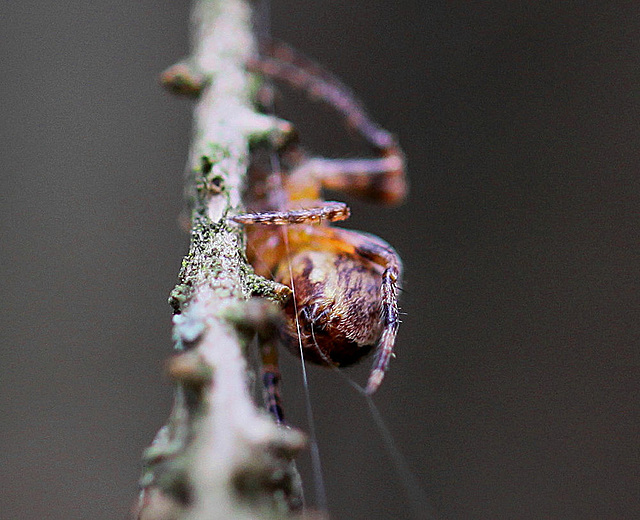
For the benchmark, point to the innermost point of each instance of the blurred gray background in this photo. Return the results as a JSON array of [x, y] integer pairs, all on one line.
[[515, 390]]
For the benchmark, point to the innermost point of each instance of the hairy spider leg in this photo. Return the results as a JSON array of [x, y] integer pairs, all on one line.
[[264, 318], [271, 378], [376, 180], [283, 63], [378, 251], [379, 180], [330, 211]]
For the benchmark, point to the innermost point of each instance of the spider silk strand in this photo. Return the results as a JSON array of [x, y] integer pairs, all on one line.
[[420, 507]]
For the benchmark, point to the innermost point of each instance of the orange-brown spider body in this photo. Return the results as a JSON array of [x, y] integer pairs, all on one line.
[[344, 282], [337, 291]]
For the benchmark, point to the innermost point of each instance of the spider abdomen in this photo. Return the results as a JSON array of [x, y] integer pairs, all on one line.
[[338, 302]]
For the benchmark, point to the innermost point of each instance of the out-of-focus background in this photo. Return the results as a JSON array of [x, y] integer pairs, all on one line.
[[515, 391]]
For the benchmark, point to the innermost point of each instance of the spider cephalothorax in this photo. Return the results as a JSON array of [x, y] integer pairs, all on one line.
[[344, 282]]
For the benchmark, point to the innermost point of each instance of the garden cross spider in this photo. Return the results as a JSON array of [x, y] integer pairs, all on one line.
[[345, 282]]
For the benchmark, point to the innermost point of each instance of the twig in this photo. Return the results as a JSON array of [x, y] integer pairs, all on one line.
[[219, 456]]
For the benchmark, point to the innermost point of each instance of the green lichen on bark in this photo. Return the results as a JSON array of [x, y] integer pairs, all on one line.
[[215, 259]]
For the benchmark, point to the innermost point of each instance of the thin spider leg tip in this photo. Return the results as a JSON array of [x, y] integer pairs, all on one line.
[[374, 382]]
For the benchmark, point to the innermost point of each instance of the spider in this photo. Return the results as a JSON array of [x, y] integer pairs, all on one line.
[[344, 282]]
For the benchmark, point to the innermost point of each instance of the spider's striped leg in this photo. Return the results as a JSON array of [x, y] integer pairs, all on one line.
[[264, 318], [380, 180], [283, 63], [378, 251], [329, 211], [271, 378]]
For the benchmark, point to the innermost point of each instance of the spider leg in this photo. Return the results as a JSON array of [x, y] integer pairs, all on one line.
[[283, 63], [271, 379], [379, 180], [381, 253], [264, 318], [330, 211]]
